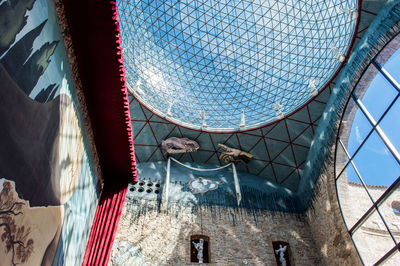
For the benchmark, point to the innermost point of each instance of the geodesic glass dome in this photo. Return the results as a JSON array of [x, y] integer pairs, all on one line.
[[225, 65]]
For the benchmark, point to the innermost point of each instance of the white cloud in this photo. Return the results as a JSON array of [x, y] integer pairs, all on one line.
[[358, 135]]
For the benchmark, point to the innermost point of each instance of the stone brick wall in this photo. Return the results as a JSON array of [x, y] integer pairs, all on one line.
[[327, 227], [236, 236]]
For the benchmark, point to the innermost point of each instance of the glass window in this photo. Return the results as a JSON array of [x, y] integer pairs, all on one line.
[[352, 208], [389, 60], [390, 124], [360, 128], [341, 159], [376, 164], [378, 96], [396, 208], [394, 259], [372, 240], [367, 180], [390, 212]]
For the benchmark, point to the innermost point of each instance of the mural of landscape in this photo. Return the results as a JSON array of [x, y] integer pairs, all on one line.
[[48, 184]]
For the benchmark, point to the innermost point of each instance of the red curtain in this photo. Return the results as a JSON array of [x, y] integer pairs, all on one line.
[[94, 30], [105, 226]]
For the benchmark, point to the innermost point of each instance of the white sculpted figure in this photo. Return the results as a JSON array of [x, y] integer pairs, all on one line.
[[281, 252], [199, 248]]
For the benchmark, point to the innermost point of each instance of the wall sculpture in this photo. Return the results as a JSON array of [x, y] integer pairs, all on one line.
[[199, 249], [234, 155], [179, 145], [282, 253]]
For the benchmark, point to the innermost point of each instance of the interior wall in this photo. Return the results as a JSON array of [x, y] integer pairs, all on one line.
[[49, 183], [329, 232], [148, 235]]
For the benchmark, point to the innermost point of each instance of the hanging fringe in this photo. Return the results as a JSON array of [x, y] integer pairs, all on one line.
[[124, 90]]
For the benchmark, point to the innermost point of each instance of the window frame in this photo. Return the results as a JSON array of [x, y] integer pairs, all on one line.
[[345, 128]]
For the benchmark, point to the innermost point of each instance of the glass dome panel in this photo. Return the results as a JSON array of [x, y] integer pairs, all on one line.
[[230, 65]]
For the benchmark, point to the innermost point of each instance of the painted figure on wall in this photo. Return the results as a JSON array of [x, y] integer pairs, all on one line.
[[41, 139], [16, 238], [23, 240]]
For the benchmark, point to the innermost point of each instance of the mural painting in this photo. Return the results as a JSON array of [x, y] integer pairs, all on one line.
[[48, 185]]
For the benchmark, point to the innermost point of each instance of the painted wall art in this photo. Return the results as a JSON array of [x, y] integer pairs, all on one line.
[[49, 188]]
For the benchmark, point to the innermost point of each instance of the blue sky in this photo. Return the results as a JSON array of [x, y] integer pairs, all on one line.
[[374, 161]]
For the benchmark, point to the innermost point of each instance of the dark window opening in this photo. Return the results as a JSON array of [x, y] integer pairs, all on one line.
[[282, 253], [199, 249], [396, 207]]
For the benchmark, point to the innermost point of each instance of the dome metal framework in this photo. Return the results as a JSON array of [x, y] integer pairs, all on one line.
[[232, 65]]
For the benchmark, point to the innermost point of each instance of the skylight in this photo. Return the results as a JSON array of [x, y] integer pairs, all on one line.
[[230, 65]]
